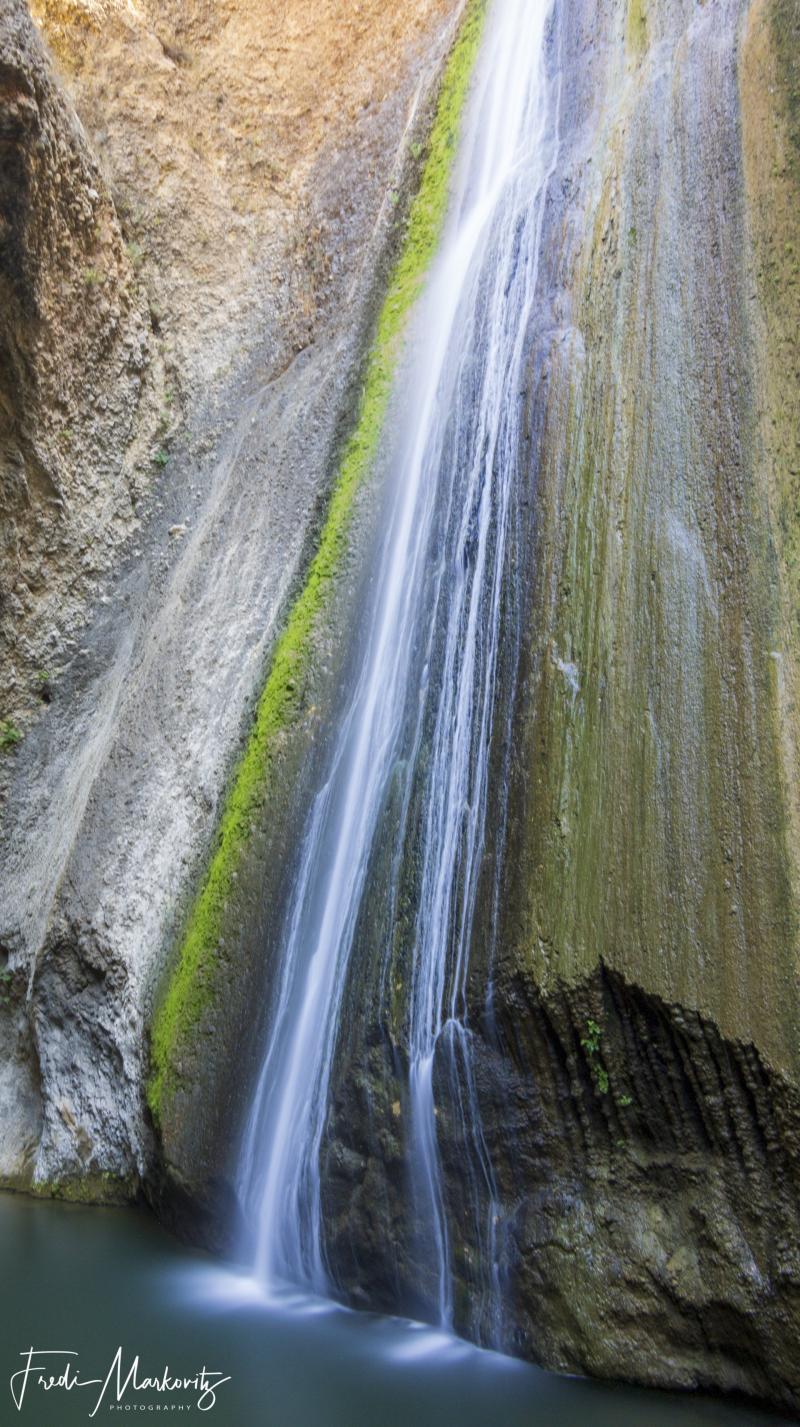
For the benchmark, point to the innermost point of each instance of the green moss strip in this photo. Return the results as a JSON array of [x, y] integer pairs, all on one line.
[[636, 32], [95, 1187], [785, 27], [191, 987]]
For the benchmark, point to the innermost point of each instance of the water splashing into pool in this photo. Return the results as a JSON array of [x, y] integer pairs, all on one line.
[[114, 1277]]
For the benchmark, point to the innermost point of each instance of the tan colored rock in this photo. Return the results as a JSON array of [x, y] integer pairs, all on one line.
[[221, 128], [78, 370]]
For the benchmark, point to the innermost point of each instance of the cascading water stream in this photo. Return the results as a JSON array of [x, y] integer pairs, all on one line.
[[427, 680]]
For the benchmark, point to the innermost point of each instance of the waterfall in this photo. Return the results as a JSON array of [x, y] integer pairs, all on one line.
[[424, 711]]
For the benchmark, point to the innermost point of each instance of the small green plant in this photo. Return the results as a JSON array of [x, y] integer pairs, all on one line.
[[6, 977], [625, 1101], [416, 150], [591, 1044], [9, 734], [135, 253], [161, 458], [44, 680], [93, 277], [591, 1041]]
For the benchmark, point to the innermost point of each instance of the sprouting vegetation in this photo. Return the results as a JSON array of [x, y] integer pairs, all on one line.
[[785, 26], [44, 684], [591, 1041], [135, 253], [9, 734], [636, 34], [591, 1044]]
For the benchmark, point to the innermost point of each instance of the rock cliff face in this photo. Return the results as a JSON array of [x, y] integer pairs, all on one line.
[[244, 146], [653, 890], [78, 372], [634, 1005]]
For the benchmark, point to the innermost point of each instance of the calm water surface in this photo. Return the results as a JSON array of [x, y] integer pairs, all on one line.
[[94, 1280]]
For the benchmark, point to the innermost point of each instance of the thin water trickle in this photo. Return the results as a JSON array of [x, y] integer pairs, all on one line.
[[428, 677]]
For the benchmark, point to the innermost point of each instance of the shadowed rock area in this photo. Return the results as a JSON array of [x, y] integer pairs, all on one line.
[[647, 1172]]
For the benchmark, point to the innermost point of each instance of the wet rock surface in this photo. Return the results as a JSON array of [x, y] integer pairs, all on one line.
[[648, 1215]]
